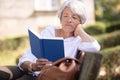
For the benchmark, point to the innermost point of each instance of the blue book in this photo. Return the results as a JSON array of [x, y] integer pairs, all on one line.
[[49, 48]]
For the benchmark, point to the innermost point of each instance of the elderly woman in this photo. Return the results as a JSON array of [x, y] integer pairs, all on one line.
[[72, 15]]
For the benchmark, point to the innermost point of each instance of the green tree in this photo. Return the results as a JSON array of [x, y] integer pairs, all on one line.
[[107, 10]]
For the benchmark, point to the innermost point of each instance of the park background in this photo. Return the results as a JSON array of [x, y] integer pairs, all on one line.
[[103, 23]]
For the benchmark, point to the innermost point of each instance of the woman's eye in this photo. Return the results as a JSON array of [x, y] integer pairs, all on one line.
[[74, 17], [65, 16]]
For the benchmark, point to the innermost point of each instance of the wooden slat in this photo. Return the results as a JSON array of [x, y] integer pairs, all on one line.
[[90, 66]]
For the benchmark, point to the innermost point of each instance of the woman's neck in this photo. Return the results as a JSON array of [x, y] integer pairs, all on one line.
[[61, 33]]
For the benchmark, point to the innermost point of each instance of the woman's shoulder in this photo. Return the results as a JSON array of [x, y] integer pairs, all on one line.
[[50, 30]]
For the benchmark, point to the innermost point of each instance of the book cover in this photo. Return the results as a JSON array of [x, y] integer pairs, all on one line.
[[49, 48]]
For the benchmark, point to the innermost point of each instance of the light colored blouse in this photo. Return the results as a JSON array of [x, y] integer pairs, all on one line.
[[71, 46]]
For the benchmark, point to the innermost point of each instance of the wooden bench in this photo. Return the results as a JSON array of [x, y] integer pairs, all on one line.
[[90, 66]]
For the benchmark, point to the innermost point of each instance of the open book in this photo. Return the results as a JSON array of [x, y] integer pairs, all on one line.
[[49, 48]]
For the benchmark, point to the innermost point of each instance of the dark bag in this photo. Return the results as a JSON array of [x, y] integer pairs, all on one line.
[[63, 69]]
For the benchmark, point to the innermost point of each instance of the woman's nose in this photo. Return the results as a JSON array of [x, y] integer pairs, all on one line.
[[70, 19]]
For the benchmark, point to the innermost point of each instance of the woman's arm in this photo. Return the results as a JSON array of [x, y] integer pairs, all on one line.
[[88, 43], [79, 31]]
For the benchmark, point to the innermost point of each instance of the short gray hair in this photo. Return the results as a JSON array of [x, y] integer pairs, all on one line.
[[77, 7]]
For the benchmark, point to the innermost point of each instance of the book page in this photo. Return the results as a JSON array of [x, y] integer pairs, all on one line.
[[35, 33]]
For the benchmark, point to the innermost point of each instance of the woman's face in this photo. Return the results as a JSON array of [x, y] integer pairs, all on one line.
[[69, 20]]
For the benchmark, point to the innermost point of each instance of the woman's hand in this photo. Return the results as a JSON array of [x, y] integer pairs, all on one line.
[[78, 29], [39, 64]]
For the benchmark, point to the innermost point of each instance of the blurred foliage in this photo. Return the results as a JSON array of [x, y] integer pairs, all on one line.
[[12, 48], [95, 29], [113, 26], [12, 43], [109, 39], [111, 62], [100, 27], [107, 10]]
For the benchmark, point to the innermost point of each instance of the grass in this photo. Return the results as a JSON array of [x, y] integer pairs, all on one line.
[[8, 55], [8, 58]]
